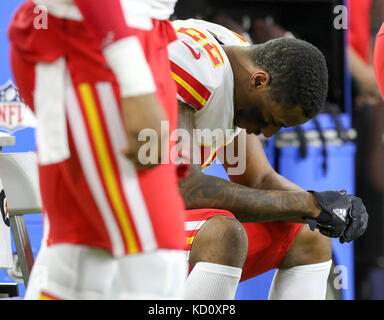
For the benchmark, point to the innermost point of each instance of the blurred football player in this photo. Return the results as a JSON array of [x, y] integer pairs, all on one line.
[[96, 75]]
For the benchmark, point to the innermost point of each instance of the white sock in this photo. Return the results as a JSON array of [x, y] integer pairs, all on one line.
[[211, 281], [306, 282]]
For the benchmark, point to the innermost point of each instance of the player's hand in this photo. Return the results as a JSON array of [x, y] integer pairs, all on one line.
[[358, 222], [142, 117], [343, 216]]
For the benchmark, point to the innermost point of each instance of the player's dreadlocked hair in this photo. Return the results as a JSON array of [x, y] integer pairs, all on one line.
[[298, 73]]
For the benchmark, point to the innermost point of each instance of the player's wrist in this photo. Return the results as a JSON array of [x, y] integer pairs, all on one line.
[[314, 206]]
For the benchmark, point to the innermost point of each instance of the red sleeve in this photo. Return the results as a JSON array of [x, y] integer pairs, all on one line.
[[106, 18]]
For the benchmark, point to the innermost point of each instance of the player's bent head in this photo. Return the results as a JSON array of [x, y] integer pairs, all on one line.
[[297, 71]]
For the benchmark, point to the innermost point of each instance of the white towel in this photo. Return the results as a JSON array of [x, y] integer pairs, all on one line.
[[5, 233]]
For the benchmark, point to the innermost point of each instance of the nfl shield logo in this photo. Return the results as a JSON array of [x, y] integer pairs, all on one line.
[[14, 113]]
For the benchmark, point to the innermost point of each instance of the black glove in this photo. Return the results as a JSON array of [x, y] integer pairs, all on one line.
[[343, 215]]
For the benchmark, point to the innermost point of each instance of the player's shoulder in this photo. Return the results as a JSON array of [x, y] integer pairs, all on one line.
[[196, 49], [199, 64], [195, 63]]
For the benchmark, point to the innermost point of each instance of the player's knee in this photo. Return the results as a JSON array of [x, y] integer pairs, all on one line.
[[221, 240], [309, 247]]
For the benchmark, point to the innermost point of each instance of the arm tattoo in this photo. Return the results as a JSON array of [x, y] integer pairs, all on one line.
[[247, 204]]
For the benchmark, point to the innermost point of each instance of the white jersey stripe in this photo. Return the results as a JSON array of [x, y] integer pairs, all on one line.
[[127, 171], [51, 132], [193, 225]]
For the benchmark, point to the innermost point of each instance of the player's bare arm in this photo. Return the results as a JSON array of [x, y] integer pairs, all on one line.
[[247, 204], [258, 173]]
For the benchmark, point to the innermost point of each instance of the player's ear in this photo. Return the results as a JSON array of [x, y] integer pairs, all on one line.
[[260, 79]]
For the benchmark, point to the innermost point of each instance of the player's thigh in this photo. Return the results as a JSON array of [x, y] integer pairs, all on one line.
[[220, 239], [268, 243]]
